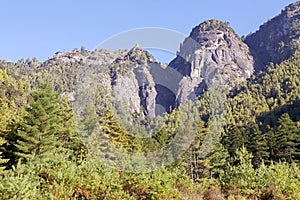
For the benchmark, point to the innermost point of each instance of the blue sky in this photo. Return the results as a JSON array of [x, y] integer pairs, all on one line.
[[36, 28]]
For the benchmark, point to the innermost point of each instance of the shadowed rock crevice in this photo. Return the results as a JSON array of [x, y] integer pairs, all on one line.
[[165, 98]]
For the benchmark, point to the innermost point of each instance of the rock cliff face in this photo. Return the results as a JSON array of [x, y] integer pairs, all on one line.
[[132, 83], [213, 55], [142, 84], [277, 39]]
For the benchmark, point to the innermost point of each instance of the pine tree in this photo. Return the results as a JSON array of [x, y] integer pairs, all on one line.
[[213, 164], [113, 137], [116, 134], [5, 133], [193, 154], [214, 158], [68, 125], [287, 139], [69, 135], [2, 161], [257, 144], [89, 121], [41, 128], [13, 97], [242, 175], [233, 139], [162, 137], [271, 141]]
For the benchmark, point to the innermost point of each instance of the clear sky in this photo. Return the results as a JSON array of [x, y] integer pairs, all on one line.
[[37, 28]]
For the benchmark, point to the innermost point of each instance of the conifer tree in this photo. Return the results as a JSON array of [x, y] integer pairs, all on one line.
[[116, 134], [41, 128], [113, 137], [257, 144], [2, 161], [233, 139], [69, 136], [213, 164], [287, 139], [66, 116], [5, 133], [270, 135], [193, 153], [89, 121], [212, 155]]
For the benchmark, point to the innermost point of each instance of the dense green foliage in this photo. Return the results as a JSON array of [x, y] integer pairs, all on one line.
[[250, 151]]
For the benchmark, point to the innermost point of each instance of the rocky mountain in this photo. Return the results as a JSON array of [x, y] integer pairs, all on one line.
[[142, 84], [213, 55], [277, 39], [131, 81]]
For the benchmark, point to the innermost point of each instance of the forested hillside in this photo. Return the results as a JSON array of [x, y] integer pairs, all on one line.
[[239, 138]]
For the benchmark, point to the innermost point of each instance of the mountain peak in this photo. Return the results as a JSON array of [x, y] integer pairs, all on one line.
[[212, 24], [213, 55], [293, 9], [277, 39], [137, 46], [139, 55]]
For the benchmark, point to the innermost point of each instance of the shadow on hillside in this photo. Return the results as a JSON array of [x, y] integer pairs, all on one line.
[[271, 118]]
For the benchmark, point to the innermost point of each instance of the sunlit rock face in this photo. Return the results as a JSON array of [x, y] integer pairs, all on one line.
[[213, 55]]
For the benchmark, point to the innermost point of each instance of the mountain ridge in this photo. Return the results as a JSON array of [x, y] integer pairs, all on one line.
[[213, 55], [277, 39]]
